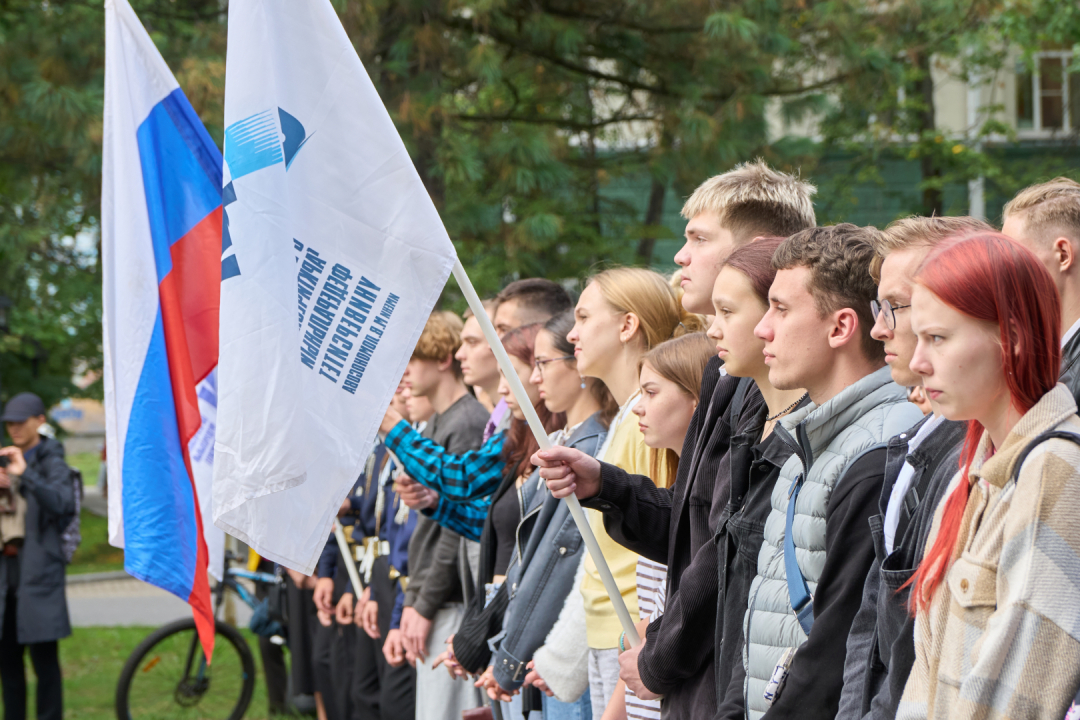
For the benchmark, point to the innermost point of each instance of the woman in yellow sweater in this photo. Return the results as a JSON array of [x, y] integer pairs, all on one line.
[[622, 314]]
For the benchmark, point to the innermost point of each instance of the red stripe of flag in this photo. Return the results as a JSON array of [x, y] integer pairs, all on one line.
[[190, 300]]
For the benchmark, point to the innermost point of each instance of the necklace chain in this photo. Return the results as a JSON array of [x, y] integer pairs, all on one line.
[[786, 410]]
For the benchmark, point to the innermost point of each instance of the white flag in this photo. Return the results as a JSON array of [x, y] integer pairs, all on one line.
[[333, 257]]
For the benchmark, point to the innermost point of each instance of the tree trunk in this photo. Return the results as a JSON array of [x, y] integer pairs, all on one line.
[[654, 214], [932, 200]]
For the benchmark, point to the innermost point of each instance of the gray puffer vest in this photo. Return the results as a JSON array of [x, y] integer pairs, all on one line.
[[827, 439]]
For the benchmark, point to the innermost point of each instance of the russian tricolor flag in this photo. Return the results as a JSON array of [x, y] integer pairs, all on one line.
[[161, 255]]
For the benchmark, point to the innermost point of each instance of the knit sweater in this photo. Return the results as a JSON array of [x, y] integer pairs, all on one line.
[[1001, 637]]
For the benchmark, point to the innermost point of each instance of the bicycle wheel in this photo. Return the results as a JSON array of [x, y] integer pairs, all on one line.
[[166, 677]]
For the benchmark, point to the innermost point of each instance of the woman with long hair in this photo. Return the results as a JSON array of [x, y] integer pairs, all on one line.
[[621, 315], [549, 550], [995, 594], [755, 454], [670, 381]]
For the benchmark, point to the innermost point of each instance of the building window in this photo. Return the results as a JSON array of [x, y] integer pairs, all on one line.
[[1048, 98]]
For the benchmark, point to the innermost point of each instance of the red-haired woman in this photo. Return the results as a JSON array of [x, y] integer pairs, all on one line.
[[997, 620]]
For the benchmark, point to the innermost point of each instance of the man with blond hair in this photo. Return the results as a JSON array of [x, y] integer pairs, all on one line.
[[919, 463], [1045, 219], [731, 209]]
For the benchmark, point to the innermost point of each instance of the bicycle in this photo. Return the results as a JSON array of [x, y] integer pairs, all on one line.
[[167, 676]]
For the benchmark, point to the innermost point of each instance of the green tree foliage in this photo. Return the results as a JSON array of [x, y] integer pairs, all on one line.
[[552, 134], [883, 111]]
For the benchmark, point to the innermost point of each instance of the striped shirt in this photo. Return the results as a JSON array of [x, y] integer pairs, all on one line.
[[651, 587]]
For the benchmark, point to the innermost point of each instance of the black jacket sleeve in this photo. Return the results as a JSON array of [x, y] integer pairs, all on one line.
[[48, 479], [637, 514], [327, 565], [683, 639], [816, 675]]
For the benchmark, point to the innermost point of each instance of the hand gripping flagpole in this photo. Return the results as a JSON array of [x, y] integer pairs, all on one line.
[[540, 434]]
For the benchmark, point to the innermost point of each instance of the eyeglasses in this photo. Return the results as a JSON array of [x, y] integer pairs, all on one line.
[[541, 363], [889, 311]]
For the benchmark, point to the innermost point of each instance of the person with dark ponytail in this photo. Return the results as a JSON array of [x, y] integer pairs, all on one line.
[[997, 631]]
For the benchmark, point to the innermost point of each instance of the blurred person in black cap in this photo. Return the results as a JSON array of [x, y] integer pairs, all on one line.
[[37, 501]]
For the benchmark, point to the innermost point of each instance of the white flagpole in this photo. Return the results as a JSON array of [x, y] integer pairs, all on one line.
[[540, 434], [350, 562]]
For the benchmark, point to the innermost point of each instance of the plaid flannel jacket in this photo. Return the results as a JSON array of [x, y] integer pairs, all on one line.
[[1002, 635], [464, 482]]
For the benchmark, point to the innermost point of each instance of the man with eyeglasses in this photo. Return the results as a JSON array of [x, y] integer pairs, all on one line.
[[919, 463]]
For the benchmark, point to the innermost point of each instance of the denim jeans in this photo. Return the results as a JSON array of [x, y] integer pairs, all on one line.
[[579, 710]]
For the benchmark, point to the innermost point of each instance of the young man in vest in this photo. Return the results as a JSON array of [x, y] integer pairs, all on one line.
[[919, 464], [1046, 220], [813, 563], [672, 526]]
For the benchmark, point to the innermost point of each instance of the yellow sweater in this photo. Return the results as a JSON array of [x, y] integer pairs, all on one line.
[[628, 451]]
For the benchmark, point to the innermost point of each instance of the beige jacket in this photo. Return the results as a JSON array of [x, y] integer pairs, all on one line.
[[1002, 636]]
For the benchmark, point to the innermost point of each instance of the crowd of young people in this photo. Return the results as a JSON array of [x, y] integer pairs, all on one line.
[[796, 538]]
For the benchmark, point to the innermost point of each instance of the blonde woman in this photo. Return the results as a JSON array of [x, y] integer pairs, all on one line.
[[621, 315]]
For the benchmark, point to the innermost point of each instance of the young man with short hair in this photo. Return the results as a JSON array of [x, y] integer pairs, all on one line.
[[919, 463], [672, 526], [39, 503], [1045, 218], [731, 209], [817, 336], [433, 599], [528, 301]]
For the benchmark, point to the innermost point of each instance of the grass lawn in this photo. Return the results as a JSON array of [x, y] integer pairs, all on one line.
[[94, 553], [92, 659], [86, 463]]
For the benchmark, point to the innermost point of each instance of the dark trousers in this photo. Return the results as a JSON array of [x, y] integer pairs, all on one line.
[[273, 660], [301, 630], [322, 680], [397, 685], [354, 672], [366, 692], [46, 659]]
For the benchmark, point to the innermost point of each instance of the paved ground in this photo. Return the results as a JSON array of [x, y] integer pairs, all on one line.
[[94, 501], [111, 599]]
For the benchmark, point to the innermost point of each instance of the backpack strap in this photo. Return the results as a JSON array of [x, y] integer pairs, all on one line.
[[1040, 439], [802, 602]]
